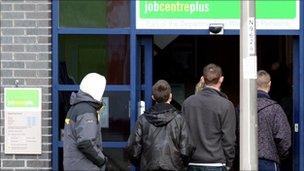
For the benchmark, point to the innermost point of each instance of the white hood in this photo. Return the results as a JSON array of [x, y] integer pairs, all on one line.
[[94, 85]]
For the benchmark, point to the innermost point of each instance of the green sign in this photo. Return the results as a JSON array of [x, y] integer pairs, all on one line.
[[214, 9], [22, 98]]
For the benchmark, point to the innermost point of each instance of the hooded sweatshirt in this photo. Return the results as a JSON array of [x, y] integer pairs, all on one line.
[[82, 137], [161, 140]]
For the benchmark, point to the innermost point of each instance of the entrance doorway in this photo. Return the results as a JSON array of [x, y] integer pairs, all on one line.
[[180, 60]]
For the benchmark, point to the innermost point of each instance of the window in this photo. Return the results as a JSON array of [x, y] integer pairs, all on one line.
[[94, 13], [82, 54]]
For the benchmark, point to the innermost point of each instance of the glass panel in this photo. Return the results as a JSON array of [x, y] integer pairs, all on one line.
[[118, 128], [117, 159], [115, 120], [64, 106], [94, 13], [108, 55]]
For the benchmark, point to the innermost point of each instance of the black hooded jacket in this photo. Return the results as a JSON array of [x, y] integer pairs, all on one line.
[[82, 137], [161, 140]]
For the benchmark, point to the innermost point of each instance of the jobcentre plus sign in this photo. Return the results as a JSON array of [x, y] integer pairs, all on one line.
[[198, 14]]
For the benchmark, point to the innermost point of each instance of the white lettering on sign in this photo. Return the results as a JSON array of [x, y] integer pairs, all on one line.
[[191, 8]]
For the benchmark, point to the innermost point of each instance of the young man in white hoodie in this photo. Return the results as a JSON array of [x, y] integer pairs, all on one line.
[[82, 135]]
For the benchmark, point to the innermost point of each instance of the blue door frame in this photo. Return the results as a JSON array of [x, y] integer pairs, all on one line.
[[134, 87], [298, 74], [298, 90]]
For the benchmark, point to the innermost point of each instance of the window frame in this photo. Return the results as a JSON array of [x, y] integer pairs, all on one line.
[[132, 87]]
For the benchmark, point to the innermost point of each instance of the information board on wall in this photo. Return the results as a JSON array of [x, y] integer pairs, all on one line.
[[199, 14], [22, 120]]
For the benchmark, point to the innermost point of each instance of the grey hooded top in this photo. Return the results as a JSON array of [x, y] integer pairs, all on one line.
[[82, 136]]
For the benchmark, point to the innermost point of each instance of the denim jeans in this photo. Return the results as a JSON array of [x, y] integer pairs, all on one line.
[[268, 165], [206, 168]]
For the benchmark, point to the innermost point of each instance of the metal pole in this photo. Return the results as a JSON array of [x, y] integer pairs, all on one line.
[[248, 74]]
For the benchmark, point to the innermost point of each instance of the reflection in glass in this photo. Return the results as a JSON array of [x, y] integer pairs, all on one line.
[[108, 55], [119, 120], [118, 128], [94, 13], [64, 106]]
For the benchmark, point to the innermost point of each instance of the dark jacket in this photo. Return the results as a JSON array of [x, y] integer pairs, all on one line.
[[161, 140], [211, 119], [274, 134], [82, 136]]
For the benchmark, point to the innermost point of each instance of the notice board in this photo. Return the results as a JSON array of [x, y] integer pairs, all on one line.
[[22, 120]]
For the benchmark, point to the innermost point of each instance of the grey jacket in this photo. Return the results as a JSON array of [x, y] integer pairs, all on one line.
[[211, 119], [82, 136], [274, 134]]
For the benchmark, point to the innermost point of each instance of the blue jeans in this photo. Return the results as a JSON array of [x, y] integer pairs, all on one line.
[[268, 165], [206, 168]]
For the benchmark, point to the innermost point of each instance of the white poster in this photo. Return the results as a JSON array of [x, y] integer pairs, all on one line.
[[250, 67], [22, 120]]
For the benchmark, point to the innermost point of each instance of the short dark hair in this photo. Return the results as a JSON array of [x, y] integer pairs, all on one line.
[[161, 91], [212, 74]]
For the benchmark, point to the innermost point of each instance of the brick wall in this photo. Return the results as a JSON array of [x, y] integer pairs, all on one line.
[[26, 56]]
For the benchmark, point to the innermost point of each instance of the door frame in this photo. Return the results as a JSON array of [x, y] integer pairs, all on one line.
[[298, 74]]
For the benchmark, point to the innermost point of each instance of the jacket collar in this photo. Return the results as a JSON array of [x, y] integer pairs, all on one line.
[[81, 97], [214, 91], [263, 94], [162, 107]]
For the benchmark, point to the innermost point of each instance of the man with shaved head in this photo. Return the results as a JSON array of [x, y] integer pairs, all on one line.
[[274, 135], [211, 119]]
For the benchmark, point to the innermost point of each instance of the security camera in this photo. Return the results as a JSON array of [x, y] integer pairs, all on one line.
[[216, 28]]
